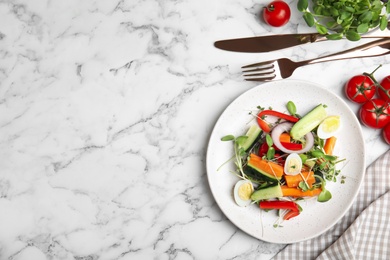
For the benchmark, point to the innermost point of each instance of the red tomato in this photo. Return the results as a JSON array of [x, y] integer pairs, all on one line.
[[360, 88], [375, 113], [386, 84], [386, 133], [277, 13]]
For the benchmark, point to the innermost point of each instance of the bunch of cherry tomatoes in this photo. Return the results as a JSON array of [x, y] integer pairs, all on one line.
[[374, 98]]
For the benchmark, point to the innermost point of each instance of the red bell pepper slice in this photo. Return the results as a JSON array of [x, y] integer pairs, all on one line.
[[292, 146], [277, 204], [264, 126], [290, 215], [278, 114]]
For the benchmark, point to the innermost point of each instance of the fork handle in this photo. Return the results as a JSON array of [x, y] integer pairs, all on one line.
[[371, 49]]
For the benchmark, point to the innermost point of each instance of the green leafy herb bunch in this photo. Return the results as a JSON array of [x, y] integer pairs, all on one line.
[[345, 18]]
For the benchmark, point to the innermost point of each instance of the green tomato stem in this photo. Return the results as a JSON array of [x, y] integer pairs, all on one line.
[[377, 84]]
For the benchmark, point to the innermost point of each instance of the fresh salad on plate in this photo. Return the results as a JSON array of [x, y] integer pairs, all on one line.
[[285, 158]]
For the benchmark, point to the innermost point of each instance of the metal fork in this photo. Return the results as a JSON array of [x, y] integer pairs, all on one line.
[[284, 68]]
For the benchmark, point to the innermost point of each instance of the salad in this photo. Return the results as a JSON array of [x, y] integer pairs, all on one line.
[[284, 162]]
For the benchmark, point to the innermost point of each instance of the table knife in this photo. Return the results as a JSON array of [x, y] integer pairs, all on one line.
[[273, 42]]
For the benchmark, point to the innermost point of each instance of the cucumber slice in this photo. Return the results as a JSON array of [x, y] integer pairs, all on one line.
[[307, 123], [253, 133], [270, 192], [257, 175]]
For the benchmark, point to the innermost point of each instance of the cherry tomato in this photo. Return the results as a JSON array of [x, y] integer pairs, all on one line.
[[386, 133], [386, 84], [375, 113], [277, 13], [360, 88]]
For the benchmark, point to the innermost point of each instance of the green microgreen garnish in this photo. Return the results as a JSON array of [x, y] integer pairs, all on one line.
[[345, 18], [271, 150], [239, 151], [292, 109], [325, 195]]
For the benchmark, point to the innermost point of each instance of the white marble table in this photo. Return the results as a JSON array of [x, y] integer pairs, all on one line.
[[106, 108]]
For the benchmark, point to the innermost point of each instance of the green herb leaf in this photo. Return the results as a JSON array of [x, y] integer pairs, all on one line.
[[241, 140], [348, 18], [303, 186], [334, 36], [363, 28], [271, 153], [383, 23], [325, 195], [302, 5], [268, 138], [365, 17], [228, 138], [292, 109], [309, 19], [321, 29], [352, 35]]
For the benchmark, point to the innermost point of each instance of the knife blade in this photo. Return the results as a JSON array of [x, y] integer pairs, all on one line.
[[268, 43], [275, 42]]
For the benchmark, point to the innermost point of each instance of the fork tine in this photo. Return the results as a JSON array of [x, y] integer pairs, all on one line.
[[259, 64], [260, 76], [258, 68], [268, 68], [260, 73], [261, 79]]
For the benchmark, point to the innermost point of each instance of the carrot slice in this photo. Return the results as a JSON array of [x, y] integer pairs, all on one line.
[[269, 167], [285, 138], [294, 192], [329, 145], [293, 181]]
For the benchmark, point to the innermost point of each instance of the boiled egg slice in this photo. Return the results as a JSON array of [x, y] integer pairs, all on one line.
[[293, 164], [329, 127], [242, 192]]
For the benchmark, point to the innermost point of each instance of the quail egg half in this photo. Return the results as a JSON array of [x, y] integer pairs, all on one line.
[[242, 192], [329, 127], [293, 164]]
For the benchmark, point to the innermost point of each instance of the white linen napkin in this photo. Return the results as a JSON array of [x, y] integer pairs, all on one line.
[[364, 231]]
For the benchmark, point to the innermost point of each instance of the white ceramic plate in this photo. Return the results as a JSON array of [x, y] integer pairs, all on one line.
[[316, 217]]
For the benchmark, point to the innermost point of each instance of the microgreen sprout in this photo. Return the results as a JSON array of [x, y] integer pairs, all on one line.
[[325, 195], [271, 150], [292, 109], [239, 151]]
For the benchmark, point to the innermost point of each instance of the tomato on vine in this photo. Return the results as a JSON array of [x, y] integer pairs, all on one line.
[[360, 89], [375, 113], [385, 83], [277, 13]]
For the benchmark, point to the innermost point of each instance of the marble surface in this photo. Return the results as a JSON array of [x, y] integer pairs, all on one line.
[[106, 109]]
